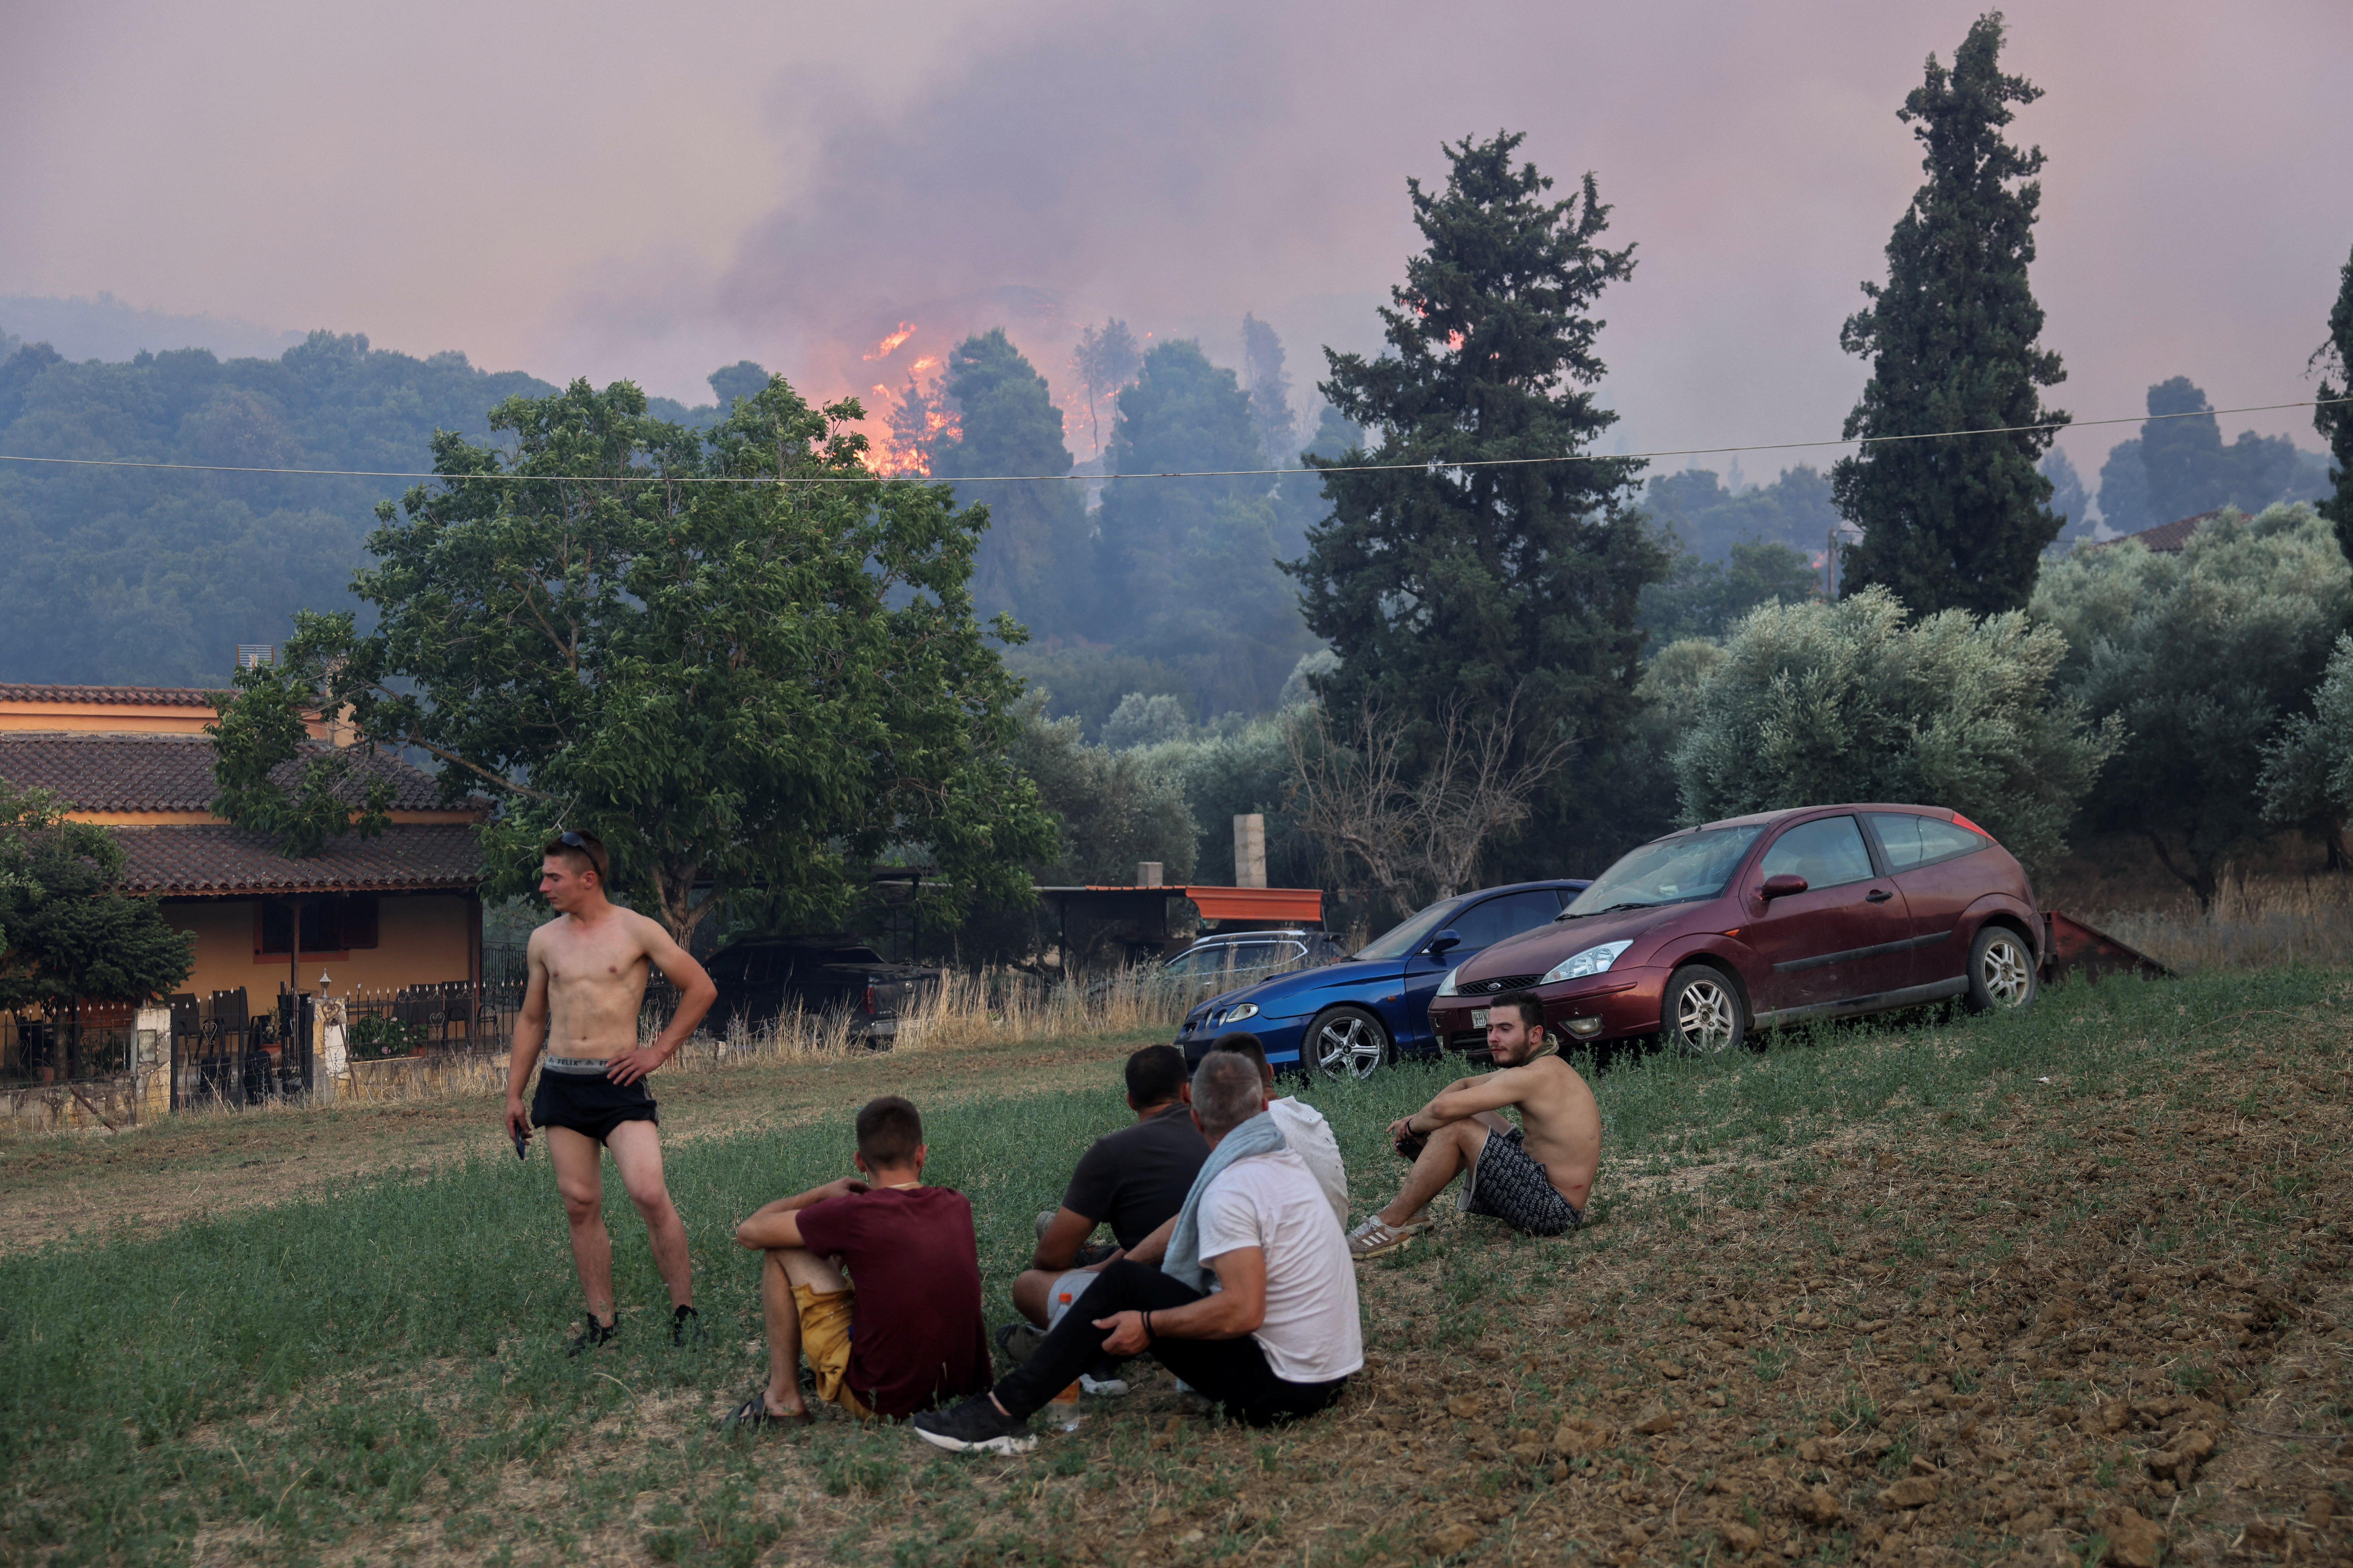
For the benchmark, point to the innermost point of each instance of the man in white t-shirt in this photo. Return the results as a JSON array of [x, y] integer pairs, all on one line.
[[1274, 1338], [1304, 1130]]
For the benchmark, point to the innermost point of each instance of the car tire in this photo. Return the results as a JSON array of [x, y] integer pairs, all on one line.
[[1701, 1012], [1345, 1042], [2001, 971]]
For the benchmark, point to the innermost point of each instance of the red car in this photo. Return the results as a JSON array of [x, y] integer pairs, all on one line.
[[1825, 912]]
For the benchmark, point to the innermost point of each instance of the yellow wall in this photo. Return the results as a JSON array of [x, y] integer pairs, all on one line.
[[421, 939]]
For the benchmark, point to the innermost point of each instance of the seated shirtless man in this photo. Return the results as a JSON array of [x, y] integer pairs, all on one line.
[[1534, 1177], [588, 969]]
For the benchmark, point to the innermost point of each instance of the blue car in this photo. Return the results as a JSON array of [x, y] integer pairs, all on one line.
[[1351, 1017]]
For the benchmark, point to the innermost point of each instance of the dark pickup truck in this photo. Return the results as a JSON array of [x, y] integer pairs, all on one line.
[[762, 978]]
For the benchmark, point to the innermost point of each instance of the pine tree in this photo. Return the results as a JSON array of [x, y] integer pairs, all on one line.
[[1269, 392], [1957, 523], [1036, 560], [1442, 586], [2337, 423]]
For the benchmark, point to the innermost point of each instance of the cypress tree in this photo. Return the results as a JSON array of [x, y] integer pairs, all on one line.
[[1035, 561], [2335, 423], [1957, 523], [1435, 584]]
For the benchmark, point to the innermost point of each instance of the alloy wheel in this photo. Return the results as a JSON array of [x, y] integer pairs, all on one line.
[[1349, 1043], [1707, 1016], [2006, 972]]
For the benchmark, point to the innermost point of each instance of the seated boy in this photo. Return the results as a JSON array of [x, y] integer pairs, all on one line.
[[910, 1335]]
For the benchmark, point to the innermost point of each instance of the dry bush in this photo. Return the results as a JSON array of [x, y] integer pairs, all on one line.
[[2254, 921], [975, 1007]]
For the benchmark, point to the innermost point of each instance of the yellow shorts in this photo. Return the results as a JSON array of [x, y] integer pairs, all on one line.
[[824, 1343]]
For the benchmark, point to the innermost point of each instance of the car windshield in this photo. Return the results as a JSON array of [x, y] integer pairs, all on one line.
[[1669, 871], [1398, 941]]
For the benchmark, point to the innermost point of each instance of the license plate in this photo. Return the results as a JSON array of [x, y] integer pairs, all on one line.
[[1479, 1018]]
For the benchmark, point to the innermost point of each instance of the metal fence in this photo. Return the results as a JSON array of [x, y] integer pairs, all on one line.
[[224, 1052], [458, 1018], [67, 1050]]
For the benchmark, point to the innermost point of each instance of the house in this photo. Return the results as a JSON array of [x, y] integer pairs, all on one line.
[[397, 910], [2166, 538]]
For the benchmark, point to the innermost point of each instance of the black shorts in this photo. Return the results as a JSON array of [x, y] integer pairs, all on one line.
[[1509, 1184], [592, 1105]]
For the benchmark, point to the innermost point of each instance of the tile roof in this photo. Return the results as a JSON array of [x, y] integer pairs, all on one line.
[[199, 859], [159, 773], [2166, 538], [146, 696]]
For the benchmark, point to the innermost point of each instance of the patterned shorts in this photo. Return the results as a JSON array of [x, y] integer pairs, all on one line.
[[1507, 1184]]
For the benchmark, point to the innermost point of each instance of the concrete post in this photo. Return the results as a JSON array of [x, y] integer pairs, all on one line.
[[1250, 850]]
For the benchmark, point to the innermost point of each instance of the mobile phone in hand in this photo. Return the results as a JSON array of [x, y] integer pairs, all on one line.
[[521, 1140]]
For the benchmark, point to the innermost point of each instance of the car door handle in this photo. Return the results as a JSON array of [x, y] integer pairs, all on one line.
[[1877, 896]]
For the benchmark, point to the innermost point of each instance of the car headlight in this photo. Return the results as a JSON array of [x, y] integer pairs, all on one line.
[[1235, 1015], [1446, 987], [1593, 961]]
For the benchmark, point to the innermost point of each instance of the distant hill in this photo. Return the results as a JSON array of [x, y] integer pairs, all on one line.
[[108, 328]]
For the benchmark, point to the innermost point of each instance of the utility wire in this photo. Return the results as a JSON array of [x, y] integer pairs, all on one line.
[[1425, 465]]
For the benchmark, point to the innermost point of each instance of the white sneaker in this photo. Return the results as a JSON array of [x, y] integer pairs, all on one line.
[[1375, 1235], [1103, 1387]]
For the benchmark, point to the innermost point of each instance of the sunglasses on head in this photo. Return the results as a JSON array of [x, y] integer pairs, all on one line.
[[575, 840]]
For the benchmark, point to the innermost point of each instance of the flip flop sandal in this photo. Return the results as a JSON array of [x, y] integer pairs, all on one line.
[[754, 1415]]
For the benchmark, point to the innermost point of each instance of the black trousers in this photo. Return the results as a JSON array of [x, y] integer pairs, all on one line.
[[1233, 1372]]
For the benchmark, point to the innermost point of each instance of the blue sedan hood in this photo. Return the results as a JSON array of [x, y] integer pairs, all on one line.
[[1287, 996]]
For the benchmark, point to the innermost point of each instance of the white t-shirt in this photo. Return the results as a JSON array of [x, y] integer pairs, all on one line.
[[1271, 1202], [1309, 1136]]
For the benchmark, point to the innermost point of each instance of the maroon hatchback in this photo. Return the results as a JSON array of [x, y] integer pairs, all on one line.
[[1825, 912]]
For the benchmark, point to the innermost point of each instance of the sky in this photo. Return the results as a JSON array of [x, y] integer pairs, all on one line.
[[622, 191]]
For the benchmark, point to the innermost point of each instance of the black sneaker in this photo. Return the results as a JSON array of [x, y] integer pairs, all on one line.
[[595, 1334], [1016, 1343], [685, 1327], [975, 1425]]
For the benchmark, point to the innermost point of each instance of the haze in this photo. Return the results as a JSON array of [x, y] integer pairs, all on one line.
[[609, 190]]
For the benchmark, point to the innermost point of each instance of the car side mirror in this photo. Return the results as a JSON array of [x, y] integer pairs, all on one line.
[[1781, 886], [1449, 938]]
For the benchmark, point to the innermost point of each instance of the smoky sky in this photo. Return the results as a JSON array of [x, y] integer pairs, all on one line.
[[601, 190]]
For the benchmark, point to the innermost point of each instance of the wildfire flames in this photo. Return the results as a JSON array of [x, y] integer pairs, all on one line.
[[889, 346]]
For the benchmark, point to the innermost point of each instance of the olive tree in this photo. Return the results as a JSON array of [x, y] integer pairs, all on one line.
[[1814, 702], [2200, 657]]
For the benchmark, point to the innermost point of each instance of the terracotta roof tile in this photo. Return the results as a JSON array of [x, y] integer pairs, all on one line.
[[202, 859], [157, 772], [2166, 538], [146, 696]]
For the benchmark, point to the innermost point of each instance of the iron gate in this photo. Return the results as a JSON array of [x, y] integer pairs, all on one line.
[[225, 1054]]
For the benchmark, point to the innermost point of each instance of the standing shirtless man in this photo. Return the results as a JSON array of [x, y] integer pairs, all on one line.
[[588, 972], [1534, 1177]]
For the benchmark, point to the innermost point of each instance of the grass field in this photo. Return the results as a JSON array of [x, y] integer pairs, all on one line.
[[2046, 1288]]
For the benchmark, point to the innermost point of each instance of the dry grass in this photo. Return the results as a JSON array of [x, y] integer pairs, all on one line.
[[2256, 922]]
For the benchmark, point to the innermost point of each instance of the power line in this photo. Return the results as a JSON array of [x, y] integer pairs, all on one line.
[[1425, 465]]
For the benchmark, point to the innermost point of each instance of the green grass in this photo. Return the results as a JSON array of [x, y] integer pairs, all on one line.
[[342, 1372]]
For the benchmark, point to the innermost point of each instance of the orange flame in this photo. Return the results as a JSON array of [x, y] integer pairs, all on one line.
[[889, 346], [929, 362]]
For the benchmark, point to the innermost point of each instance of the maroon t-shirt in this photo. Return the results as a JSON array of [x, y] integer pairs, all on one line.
[[916, 1337]]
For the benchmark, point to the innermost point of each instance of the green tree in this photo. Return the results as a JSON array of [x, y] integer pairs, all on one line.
[[1854, 701], [2124, 489], [2307, 777], [2334, 418], [1700, 598], [1188, 565], [2189, 470], [1113, 809], [2069, 501], [1959, 523], [1442, 586], [1036, 560], [2200, 656], [1794, 511], [1106, 359], [68, 934], [757, 686], [1269, 392]]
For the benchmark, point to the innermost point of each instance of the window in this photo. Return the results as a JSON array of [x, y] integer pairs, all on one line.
[[1827, 853], [1488, 922], [331, 923], [1670, 871], [1912, 841]]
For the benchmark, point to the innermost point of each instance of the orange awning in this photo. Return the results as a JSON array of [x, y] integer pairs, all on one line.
[[1303, 904]]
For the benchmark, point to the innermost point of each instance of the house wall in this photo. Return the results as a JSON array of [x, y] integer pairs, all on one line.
[[422, 939]]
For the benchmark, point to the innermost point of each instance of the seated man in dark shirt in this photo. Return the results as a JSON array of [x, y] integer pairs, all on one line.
[[1135, 1180], [910, 1335]]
